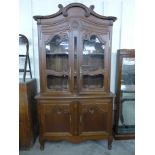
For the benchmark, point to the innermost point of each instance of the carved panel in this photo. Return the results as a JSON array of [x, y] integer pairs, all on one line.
[[61, 35], [94, 117], [88, 35], [57, 109], [74, 24], [57, 118], [94, 109]]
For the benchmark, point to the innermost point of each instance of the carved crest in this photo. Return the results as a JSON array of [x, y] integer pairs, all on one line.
[[75, 25], [64, 11]]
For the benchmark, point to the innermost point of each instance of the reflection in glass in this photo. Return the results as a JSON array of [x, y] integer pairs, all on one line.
[[57, 63], [93, 62], [127, 115], [128, 71], [58, 45], [127, 98], [57, 82], [93, 45], [90, 82]]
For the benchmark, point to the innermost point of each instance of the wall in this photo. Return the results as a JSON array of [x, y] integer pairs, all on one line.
[[25, 26], [123, 36], [127, 38]]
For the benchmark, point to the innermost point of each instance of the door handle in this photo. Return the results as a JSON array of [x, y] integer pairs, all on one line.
[[70, 118], [80, 119], [80, 72], [70, 72]]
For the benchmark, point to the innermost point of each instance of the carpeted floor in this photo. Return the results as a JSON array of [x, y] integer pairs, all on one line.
[[123, 147]]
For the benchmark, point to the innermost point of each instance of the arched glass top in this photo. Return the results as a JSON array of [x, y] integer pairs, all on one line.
[[58, 44], [93, 45]]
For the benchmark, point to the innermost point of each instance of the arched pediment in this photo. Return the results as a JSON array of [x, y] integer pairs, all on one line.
[[64, 11]]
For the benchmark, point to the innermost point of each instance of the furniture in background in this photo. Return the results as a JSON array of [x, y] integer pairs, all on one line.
[[124, 127], [28, 124], [24, 60], [75, 102]]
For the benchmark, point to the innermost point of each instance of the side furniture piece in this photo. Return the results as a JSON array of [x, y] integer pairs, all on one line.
[[28, 125], [124, 127], [75, 102], [24, 60]]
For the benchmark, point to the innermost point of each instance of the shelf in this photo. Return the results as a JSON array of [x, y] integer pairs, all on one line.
[[61, 53], [98, 54], [62, 73], [91, 54], [55, 73], [93, 73]]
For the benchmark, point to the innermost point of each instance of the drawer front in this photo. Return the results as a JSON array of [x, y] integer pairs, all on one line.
[[95, 116]]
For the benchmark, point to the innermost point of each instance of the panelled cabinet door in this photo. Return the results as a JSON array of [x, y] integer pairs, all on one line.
[[94, 117], [56, 118], [93, 62], [57, 62]]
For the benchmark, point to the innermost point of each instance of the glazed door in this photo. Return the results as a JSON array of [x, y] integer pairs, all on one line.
[[57, 55], [95, 117], [93, 63], [56, 118]]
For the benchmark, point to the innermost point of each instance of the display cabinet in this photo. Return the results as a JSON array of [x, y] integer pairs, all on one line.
[[125, 95], [75, 102]]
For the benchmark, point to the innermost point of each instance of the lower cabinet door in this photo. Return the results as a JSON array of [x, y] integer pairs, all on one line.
[[56, 118], [95, 117]]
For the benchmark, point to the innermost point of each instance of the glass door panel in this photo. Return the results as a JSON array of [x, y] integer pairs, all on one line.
[[57, 62], [57, 82], [92, 66], [127, 98]]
